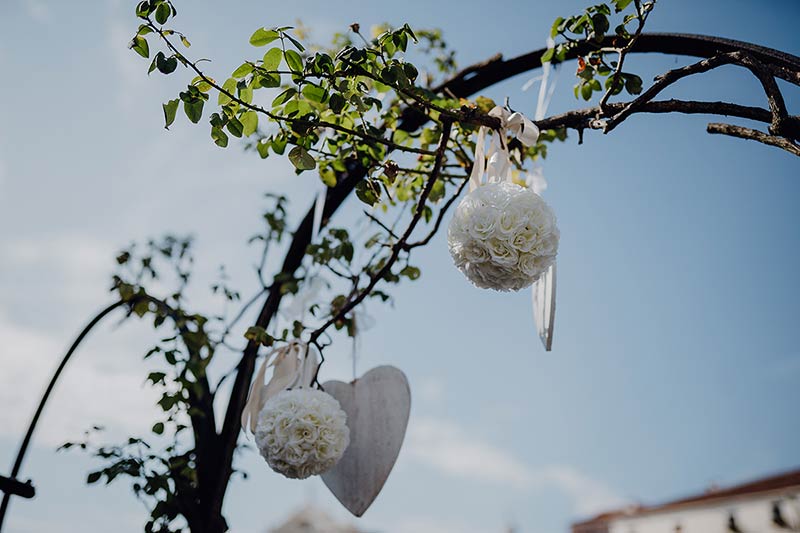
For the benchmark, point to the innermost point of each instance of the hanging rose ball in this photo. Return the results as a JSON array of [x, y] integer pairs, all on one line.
[[302, 432], [503, 236]]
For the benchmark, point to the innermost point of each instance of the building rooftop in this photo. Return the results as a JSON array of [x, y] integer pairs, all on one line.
[[777, 482]]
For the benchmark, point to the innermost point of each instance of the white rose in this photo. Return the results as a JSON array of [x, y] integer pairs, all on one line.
[[503, 236], [502, 252], [483, 222], [302, 432]]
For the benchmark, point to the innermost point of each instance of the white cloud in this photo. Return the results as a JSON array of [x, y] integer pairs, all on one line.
[[443, 445], [90, 391], [72, 267], [588, 496]]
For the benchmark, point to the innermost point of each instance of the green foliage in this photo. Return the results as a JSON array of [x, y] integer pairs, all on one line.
[[596, 72], [340, 113]]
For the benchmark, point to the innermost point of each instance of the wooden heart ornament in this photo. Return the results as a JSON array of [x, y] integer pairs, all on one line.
[[377, 406]]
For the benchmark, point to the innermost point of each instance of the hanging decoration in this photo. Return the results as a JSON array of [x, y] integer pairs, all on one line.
[[502, 236], [300, 431], [377, 406], [543, 290]]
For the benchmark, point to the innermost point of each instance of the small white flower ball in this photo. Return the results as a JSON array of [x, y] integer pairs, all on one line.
[[503, 236], [302, 432]]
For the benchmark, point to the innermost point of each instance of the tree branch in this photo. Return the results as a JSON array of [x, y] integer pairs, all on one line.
[[641, 16], [439, 218], [774, 97], [447, 126], [755, 135], [464, 84]]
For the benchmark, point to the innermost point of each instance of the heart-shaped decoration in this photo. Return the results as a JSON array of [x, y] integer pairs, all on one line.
[[377, 406]]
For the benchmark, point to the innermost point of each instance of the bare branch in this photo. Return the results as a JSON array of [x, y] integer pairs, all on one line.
[[755, 135]]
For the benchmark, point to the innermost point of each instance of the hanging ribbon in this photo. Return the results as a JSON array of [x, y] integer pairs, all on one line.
[[495, 161], [310, 290], [543, 291], [295, 367]]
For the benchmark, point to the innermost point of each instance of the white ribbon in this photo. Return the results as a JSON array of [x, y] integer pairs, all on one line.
[[295, 367], [495, 161]]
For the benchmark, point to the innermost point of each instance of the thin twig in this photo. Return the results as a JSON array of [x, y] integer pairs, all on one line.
[[447, 127], [439, 218], [381, 224], [623, 52]]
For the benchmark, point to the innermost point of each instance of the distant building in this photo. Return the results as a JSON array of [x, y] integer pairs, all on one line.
[[769, 505], [311, 519]]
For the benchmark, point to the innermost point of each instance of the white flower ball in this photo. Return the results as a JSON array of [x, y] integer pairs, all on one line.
[[302, 432], [503, 236]]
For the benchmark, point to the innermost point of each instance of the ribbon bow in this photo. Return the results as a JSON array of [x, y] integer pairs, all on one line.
[[295, 367], [496, 161]]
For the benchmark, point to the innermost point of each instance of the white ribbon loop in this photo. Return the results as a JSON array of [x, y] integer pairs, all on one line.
[[496, 161], [295, 367]]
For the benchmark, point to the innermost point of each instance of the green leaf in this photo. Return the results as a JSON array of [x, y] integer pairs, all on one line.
[[294, 41], [279, 145], [185, 41], [156, 377], [263, 148], [143, 9], [269, 80], [153, 64], [249, 123], [246, 95], [411, 71], [368, 192], [194, 109], [285, 96], [600, 25], [328, 176], [272, 59], [235, 127], [556, 27], [633, 83], [619, 5], [162, 13], [337, 103], [202, 85], [93, 477], [166, 65], [140, 46], [243, 70], [263, 37], [301, 159], [170, 109], [548, 55], [219, 136], [294, 61], [229, 86], [158, 427], [586, 91], [314, 93], [410, 272]]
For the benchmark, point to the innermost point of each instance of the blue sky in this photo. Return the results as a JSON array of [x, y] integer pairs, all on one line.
[[675, 362]]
